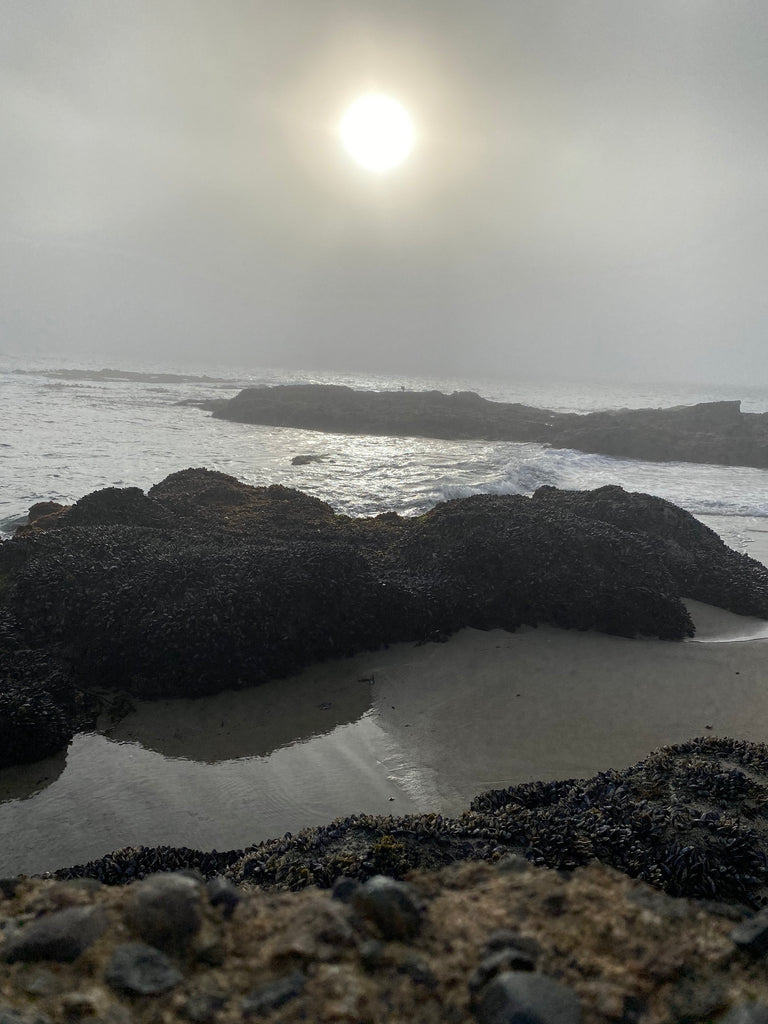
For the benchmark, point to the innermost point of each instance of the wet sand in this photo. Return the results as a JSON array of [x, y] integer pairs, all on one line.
[[412, 728]]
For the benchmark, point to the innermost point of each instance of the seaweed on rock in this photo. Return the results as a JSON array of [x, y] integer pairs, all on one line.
[[646, 821]]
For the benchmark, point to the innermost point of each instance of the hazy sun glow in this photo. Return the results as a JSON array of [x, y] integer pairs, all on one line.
[[377, 132]]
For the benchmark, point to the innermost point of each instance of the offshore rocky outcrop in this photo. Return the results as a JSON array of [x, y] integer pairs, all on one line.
[[205, 583], [710, 432]]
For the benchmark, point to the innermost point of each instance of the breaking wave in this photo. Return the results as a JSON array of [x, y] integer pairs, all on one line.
[[701, 489]]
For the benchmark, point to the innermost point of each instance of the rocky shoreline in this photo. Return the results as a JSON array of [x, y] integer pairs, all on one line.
[[633, 896], [471, 943], [205, 583], [465, 941], [691, 819], [709, 432]]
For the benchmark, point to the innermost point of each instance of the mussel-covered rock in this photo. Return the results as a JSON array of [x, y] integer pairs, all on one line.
[[206, 583], [691, 819], [39, 710]]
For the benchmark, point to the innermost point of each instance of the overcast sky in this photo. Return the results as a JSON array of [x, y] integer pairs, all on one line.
[[587, 196]]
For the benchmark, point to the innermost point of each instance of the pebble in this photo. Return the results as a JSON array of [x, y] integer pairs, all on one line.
[[694, 999], [344, 889], [513, 864], [139, 969], [418, 969], [517, 997], [506, 938], [371, 953], [211, 951], [164, 910], [114, 1014], [62, 935], [332, 926], [10, 1016], [752, 934], [202, 1009], [8, 887], [508, 959], [390, 905], [40, 982], [222, 893], [746, 1013], [78, 1005], [275, 994]]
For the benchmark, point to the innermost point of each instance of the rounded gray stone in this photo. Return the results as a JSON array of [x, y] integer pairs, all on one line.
[[751, 934], [499, 962], [390, 905], [506, 938], [344, 889], [517, 997], [203, 1007], [746, 1013], [142, 970], [164, 910], [8, 1015], [222, 893], [274, 995], [62, 935]]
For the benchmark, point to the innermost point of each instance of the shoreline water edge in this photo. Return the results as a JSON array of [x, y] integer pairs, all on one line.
[[647, 547], [440, 733]]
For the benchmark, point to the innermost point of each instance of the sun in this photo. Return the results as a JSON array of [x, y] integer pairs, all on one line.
[[377, 132]]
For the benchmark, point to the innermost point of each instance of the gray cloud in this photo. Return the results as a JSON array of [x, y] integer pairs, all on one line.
[[588, 191]]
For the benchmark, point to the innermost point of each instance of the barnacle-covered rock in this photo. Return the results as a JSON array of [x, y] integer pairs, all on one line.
[[39, 709], [206, 583]]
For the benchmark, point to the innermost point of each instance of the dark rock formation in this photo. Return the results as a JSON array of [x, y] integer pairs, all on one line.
[[495, 946], [40, 708], [711, 432], [43, 508], [691, 555], [305, 460], [690, 819], [206, 583]]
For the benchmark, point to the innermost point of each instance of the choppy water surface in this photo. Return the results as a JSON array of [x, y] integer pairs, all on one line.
[[63, 438]]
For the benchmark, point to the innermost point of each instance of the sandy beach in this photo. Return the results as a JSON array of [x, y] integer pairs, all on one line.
[[411, 728]]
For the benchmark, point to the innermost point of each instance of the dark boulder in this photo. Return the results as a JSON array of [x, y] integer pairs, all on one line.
[[500, 562], [44, 508], [703, 566], [207, 499], [206, 583]]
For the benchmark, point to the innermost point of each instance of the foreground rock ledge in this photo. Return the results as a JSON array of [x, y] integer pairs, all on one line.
[[710, 432], [205, 583], [458, 944], [592, 944]]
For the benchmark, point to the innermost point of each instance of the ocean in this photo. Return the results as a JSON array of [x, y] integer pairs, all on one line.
[[67, 431], [237, 768]]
